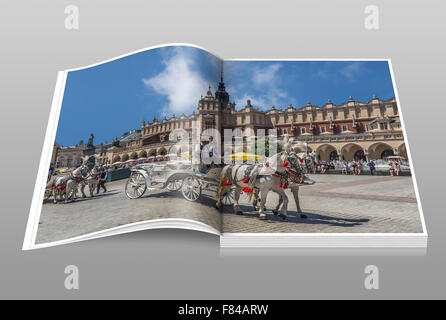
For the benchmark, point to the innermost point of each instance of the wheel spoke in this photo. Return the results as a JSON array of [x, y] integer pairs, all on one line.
[[135, 186], [191, 188]]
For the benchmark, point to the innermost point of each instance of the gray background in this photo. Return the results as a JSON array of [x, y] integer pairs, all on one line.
[[180, 264]]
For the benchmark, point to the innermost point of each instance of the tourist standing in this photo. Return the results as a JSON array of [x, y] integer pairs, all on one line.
[[359, 168], [50, 172], [372, 167], [102, 178], [397, 168], [344, 168], [354, 166]]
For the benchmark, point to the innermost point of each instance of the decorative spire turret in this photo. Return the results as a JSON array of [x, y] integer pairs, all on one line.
[[221, 94], [209, 93]]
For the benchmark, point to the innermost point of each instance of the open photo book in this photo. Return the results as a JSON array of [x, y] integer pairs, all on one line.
[[277, 153]]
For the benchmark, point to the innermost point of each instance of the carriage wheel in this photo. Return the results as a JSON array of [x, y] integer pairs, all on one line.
[[174, 185], [228, 198], [135, 186], [191, 188]]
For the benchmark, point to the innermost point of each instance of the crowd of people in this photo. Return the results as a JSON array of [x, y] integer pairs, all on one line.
[[356, 167]]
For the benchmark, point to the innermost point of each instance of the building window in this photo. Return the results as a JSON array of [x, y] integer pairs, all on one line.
[[285, 131], [344, 128], [323, 129], [383, 126], [303, 130], [209, 124]]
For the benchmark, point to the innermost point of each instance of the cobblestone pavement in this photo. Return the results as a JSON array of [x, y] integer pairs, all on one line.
[[113, 208], [340, 203], [336, 203]]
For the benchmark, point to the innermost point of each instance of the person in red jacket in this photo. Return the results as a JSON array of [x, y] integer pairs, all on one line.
[[102, 179]]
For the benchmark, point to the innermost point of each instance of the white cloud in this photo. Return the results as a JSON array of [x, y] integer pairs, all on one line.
[[267, 81], [180, 83], [266, 76], [262, 101], [351, 70]]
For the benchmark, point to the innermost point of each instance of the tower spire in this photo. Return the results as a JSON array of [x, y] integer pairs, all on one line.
[[209, 93], [221, 94]]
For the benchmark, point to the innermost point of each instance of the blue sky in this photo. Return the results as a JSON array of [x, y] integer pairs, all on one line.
[[281, 83], [112, 98]]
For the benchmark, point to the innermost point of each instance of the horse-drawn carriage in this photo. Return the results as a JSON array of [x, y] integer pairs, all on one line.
[[280, 171], [64, 185], [179, 175]]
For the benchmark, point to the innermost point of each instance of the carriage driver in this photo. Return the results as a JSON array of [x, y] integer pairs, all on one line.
[[209, 153]]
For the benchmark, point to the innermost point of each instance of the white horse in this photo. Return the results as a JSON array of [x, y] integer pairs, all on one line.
[[296, 176], [266, 177], [279, 172], [91, 179], [65, 186]]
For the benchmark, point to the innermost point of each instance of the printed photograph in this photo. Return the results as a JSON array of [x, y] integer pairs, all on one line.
[[242, 146]]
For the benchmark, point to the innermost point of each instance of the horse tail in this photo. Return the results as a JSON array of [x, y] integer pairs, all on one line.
[[220, 183], [225, 180]]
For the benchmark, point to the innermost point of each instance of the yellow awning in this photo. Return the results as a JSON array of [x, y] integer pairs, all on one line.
[[185, 155], [246, 156], [235, 156]]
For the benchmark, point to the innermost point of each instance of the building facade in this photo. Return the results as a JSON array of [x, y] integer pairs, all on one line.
[[350, 130], [68, 156]]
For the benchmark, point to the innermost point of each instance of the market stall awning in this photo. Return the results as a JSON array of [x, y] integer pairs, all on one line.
[[246, 156]]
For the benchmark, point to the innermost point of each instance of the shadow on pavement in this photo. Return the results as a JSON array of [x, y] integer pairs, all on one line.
[[293, 217], [81, 199], [208, 201], [204, 198]]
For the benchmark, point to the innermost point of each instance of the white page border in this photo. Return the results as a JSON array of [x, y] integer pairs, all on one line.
[[39, 189]]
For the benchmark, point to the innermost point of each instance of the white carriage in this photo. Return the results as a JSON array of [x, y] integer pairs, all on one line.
[[179, 175]]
